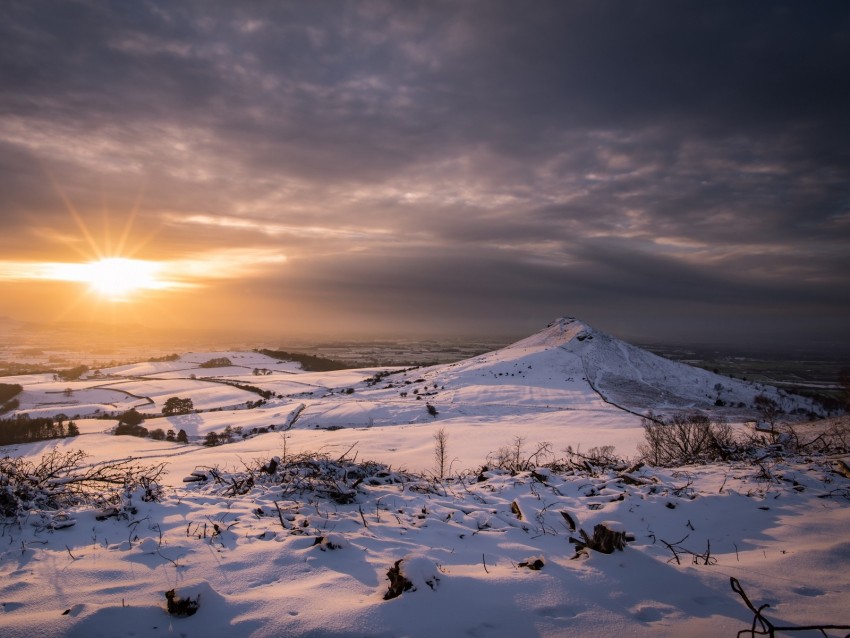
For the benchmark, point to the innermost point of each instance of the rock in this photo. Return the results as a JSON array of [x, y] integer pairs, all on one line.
[[108, 512], [516, 510], [398, 582], [535, 563], [842, 466], [181, 607], [605, 539]]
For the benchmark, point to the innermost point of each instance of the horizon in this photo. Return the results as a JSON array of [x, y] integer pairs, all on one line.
[[672, 174], [136, 342]]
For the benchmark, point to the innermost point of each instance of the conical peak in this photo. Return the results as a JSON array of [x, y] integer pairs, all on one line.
[[558, 333], [567, 322]]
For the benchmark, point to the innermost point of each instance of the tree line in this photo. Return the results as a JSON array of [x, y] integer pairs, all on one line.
[[25, 429], [8, 392], [309, 362]]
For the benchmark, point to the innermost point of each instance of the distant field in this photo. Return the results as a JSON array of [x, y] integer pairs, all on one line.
[[791, 368]]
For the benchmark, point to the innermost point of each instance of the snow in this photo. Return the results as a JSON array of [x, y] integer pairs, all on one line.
[[282, 559], [188, 364], [205, 395], [461, 546]]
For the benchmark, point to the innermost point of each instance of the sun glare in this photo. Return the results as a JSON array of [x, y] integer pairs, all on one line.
[[113, 278], [107, 271], [118, 278]]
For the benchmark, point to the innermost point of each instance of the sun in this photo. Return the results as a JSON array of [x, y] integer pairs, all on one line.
[[109, 268], [118, 278]]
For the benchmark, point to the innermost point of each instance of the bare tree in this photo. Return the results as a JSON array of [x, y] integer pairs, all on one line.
[[441, 452], [768, 409]]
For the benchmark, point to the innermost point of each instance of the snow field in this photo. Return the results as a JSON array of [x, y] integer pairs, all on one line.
[[319, 567]]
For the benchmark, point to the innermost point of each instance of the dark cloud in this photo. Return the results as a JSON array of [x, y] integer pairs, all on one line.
[[477, 163]]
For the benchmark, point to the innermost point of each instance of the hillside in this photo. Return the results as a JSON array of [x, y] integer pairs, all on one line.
[[568, 384]]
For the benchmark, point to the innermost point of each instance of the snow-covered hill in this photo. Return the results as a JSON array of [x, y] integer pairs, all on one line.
[[569, 384], [570, 364]]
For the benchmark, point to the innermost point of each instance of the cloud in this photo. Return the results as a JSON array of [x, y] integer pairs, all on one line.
[[477, 162]]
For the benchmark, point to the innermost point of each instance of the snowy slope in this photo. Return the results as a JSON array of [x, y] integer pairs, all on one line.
[[280, 560], [569, 364], [568, 374]]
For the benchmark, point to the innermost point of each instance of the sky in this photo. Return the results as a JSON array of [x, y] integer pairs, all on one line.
[[666, 171]]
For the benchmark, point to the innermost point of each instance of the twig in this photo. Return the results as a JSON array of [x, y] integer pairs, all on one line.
[[70, 554], [347, 451], [767, 628], [363, 518], [161, 555], [484, 560], [677, 549], [279, 514], [377, 509]]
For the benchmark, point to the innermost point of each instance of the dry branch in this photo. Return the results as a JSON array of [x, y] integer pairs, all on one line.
[[61, 479], [763, 627], [676, 548]]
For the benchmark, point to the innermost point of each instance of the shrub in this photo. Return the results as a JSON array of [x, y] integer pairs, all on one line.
[[310, 363], [212, 439], [124, 429], [72, 374], [515, 458], [62, 479], [266, 394], [131, 417], [832, 438], [684, 438], [218, 362], [168, 357], [600, 456], [316, 473]]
